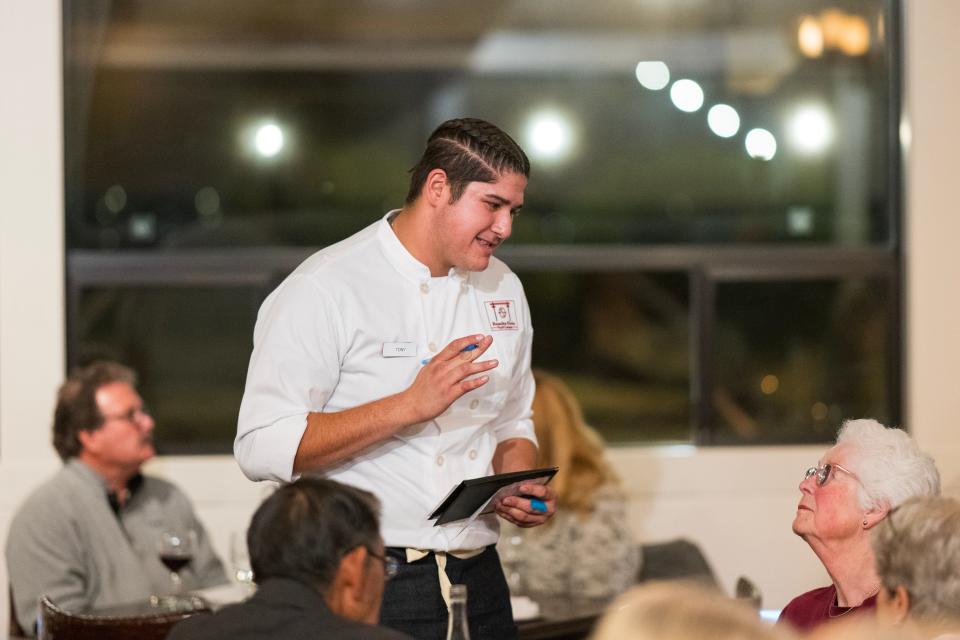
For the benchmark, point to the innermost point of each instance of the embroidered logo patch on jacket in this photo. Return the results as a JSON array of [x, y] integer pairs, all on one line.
[[501, 314]]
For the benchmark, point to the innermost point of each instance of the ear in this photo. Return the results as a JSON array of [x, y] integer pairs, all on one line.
[[88, 440], [345, 594], [436, 188], [875, 515], [899, 605]]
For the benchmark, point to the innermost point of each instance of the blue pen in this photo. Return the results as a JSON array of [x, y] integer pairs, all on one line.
[[538, 505], [469, 347]]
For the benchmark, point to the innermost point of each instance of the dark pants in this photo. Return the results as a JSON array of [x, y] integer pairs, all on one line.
[[412, 602]]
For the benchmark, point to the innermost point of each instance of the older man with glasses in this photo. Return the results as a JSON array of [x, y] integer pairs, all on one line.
[[870, 470], [88, 537], [320, 568]]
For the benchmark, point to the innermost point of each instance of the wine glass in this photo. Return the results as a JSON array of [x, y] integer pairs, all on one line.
[[240, 561], [512, 559], [176, 548]]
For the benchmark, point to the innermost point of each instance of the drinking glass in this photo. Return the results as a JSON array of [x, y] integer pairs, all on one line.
[[512, 560], [176, 548], [240, 561]]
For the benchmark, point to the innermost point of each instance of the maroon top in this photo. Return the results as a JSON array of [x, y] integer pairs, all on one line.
[[818, 606]]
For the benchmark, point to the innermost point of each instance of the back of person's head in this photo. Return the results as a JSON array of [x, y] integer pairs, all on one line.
[[77, 408], [917, 547], [890, 465], [467, 150], [566, 441], [864, 628], [681, 611], [304, 528]]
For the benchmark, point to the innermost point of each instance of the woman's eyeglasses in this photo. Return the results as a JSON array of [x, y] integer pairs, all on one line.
[[824, 472]]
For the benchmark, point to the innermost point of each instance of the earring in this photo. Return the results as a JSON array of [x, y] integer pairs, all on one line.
[[864, 523]]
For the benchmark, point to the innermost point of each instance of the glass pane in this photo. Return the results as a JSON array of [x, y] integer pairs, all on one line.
[[620, 340], [190, 346], [795, 359], [224, 123]]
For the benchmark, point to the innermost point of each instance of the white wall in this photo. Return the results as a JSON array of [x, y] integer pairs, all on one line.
[[738, 503], [933, 228], [31, 249]]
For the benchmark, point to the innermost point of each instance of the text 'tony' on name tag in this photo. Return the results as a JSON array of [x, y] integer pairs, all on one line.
[[399, 349]]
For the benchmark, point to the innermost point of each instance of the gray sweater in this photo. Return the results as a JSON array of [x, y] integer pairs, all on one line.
[[66, 542]]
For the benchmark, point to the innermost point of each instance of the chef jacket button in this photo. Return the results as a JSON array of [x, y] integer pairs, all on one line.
[[432, 346], [439, 461], [425, 287], [473, 454], [474, 404]]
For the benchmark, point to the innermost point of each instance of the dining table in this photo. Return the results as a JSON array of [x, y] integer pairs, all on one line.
[[556, 617], [562, 618]]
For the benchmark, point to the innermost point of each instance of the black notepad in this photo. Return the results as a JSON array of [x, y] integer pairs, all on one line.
[[468, 496]]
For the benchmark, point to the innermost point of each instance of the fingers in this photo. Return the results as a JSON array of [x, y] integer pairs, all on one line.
[[474, 383], [521, 517], [459, 362], [537, 490], [529, 512], [467, 349]]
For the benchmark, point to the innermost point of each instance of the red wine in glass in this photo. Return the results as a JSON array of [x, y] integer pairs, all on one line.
[[175, 562], [175, 548]]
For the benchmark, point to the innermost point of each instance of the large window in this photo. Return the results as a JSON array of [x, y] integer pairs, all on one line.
[[710, 241]]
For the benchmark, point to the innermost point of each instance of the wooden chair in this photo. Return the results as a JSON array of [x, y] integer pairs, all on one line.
[[57, 624]]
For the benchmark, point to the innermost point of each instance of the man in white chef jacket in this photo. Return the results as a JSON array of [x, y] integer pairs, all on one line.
[[398, 361]]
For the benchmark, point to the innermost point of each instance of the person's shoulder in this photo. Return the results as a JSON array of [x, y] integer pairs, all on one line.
[[820, 593], [54, 493], [342, 253], [610, 493], [358, 631], [497, 277], [808, 607], [230, 621], [196, 626]]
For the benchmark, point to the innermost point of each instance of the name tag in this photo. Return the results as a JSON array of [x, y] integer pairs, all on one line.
[[398, 349]]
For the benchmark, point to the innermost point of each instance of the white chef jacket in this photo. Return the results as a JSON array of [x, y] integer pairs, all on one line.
[[354, 323]]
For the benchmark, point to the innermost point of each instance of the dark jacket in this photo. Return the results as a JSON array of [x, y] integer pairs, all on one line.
[[282, 609]]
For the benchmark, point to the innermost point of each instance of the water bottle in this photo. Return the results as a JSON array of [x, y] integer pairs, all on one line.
[[457, 627]]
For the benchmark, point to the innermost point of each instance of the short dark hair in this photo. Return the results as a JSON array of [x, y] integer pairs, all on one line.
[[302, 531], [468, 150], [77, 408]]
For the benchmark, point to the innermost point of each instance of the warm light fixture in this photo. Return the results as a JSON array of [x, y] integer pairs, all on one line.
[[833, 30]]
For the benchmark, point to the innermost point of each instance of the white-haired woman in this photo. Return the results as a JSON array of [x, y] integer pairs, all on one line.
[[870, 470], [917, 551]]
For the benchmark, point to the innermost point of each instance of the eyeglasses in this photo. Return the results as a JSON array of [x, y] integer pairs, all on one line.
[[134, 415], [390, 565], [825, 472]]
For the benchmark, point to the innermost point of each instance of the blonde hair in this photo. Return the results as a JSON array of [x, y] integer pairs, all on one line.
[[567, 442], [917, 546], [681, 611]]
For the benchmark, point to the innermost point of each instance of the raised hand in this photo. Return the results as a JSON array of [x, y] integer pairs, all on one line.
[[446, 376]]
